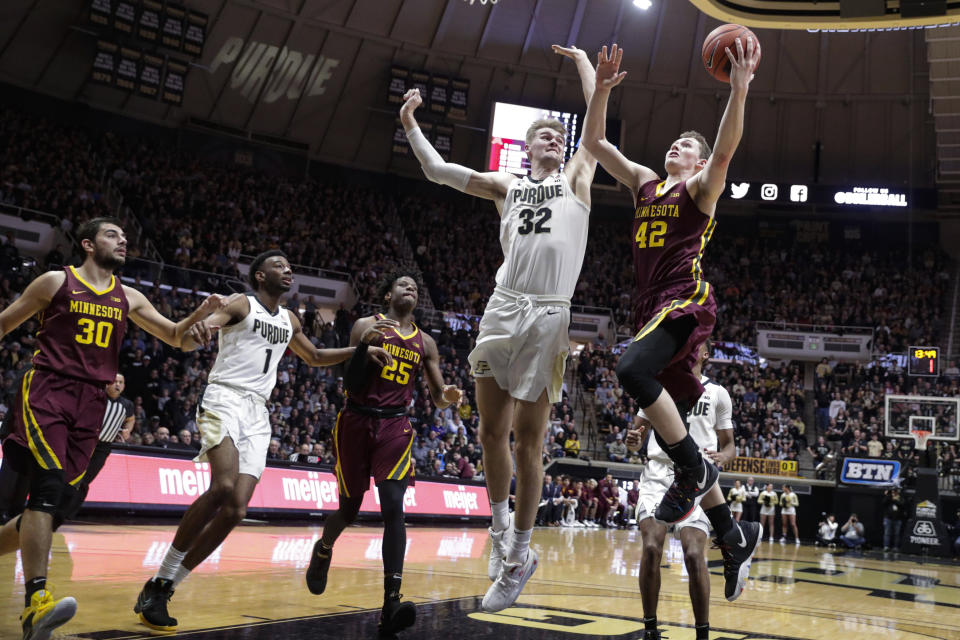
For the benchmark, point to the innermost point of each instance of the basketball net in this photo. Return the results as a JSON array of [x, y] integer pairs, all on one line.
[[921, 437]]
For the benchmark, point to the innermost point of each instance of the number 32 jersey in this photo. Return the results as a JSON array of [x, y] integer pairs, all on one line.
[[251, 349], [543, 233], [393, 385]]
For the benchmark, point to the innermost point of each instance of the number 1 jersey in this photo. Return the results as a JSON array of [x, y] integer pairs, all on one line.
[[543, 233], [251, 349], [393, 385]]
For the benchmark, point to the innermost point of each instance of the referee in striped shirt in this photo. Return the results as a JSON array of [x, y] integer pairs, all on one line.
[[117, 423]]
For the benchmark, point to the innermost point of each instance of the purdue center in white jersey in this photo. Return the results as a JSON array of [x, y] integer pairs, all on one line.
[[240, 382], [712, 413], [523, 340]]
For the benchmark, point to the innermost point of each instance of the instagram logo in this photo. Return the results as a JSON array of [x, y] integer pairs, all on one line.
[[769, 192]]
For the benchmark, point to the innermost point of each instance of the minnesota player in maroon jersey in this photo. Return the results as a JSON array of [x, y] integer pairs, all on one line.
[[373, 436], [60, 404], [674, 305]]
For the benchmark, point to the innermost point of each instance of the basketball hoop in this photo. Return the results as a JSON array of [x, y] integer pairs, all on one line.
[[920, 436]]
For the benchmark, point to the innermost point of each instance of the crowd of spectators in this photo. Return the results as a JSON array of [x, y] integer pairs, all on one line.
[[203, 214], [850, 416]]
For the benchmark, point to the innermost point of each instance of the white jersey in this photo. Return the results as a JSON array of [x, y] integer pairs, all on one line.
[[251, 349], [543, 233], [713, 412]]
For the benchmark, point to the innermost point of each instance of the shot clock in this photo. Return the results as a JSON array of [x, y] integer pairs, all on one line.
[[924, 361]]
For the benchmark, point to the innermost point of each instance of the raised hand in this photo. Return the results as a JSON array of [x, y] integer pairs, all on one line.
[[411, 100], [608, 68], [743, 64], [571, 52], [377, 329]]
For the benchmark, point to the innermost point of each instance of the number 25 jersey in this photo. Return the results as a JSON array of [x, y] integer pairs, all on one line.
[[393, 385], [543, 233], [251, 349]]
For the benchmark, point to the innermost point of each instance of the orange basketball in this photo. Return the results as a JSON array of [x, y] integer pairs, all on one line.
[[714, 55]]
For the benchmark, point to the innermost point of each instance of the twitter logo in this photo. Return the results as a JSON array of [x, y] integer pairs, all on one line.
[[739, 189]]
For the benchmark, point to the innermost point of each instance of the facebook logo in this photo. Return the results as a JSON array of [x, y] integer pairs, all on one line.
[[798, 193]]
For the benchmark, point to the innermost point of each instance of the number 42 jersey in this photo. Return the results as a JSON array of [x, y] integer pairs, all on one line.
[[251, 349], [543, 233]]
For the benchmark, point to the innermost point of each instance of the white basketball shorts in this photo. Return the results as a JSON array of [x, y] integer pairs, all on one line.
[[523, 343], [654, 482], [225, 412]]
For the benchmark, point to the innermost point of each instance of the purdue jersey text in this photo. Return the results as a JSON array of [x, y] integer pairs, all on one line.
[[250, 350]]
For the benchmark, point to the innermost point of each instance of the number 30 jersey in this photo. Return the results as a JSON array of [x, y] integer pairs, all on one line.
[[393, 385], [251, 349], [543, 233], [81, 330]]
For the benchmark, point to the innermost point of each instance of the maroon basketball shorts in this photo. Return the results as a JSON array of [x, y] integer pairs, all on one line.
[[58, 419], [367, 445], [690, 298]]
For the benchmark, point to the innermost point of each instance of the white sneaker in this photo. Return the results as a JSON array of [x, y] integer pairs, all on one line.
[[508, 585], [499, 542]]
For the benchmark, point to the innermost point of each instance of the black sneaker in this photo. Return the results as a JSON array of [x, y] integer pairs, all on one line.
[[318, 569], [152, 605], [651, 634], [688, 488], [396, 616], [738, 547]]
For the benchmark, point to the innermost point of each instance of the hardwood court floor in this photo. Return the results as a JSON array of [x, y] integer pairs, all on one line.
[[586, 587]]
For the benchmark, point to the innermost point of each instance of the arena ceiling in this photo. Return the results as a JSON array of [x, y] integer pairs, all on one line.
[[865, 97]]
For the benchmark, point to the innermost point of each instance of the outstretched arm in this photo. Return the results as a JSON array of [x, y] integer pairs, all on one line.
[[630, 174], [707, 186], [146, 316], [588, 76], [582, 166], [300, 344], [490, 185]]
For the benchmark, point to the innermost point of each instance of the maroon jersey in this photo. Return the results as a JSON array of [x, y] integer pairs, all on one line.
[[81, 330], [393, 385], [670, 234]]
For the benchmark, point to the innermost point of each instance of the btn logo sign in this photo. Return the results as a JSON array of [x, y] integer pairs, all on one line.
[[880, 473]]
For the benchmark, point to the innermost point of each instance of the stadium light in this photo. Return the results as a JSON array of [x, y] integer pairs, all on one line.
[[643, 4]]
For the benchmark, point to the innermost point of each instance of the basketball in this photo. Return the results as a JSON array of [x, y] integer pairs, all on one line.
[[714, 54]]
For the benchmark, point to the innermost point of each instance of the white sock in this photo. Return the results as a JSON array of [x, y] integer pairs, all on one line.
[[501, 515], [180, 575], [171, 561], [519, 546]]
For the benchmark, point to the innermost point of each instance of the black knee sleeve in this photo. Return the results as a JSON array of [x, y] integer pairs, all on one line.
[[46, 490], [645, 358], [70, 501], [638, 379]]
